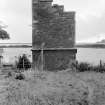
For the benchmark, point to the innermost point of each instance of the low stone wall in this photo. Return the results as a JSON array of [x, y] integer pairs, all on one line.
[[54, 59]]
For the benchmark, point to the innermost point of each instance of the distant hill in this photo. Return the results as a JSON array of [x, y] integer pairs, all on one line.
[[90, 45], [16, 45], [100, 44]]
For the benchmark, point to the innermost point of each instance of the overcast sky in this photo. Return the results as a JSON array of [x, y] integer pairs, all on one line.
[[90, 19]]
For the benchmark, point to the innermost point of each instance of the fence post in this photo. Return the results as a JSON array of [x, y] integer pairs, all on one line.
[[42, 61], [100, 63]]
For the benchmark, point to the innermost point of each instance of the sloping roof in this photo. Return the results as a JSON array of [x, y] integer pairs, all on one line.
[[4, 34]]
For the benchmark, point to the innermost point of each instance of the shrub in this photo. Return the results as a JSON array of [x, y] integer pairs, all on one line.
[[23, 62], [20, 76], [99, 68], [83, 66], [9, 74]]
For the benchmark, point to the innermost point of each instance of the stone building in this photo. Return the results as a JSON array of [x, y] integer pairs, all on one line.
[[53, 36]]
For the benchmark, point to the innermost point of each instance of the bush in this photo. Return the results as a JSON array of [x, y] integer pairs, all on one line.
[[20, 76], [83, 66], [99, 68], [23, 62], [9, 74]]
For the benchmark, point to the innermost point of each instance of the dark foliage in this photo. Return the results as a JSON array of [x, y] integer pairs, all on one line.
[[83, 66], [9, 74], [99, 68], [20, 76], [4, 34], [23, 63]]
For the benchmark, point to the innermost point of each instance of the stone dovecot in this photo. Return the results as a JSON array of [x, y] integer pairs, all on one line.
[[53, 36]]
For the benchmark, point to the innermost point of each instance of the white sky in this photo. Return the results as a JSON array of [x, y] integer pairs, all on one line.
[[90, 19]]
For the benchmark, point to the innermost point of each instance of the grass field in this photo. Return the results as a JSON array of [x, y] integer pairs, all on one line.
[[55, 88]]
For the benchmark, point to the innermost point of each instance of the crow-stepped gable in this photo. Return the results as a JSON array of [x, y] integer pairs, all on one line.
[[54, 33]]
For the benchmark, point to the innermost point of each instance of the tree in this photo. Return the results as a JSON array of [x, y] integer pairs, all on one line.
[[3, 33]]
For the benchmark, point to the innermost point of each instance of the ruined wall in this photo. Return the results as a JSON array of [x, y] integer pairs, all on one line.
[[53, 28], [54, 59]]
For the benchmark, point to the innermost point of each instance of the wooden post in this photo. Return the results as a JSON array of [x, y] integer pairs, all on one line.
[[100, 63], [23, 65], [1, 52], [1, 61], [42, 65]]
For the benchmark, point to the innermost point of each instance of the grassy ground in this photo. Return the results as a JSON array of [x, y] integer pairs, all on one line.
[[56, 88]]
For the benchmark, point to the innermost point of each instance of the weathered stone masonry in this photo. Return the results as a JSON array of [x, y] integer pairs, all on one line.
[[54, 30]]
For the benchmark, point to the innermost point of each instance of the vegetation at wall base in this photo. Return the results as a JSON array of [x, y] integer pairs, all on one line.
[[84, 66], [20, 76], [23, 63]]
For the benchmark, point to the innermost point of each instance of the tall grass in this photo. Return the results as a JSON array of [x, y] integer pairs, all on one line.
[[57, 88], [45, 88]]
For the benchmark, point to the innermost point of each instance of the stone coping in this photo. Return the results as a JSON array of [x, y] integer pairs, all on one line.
[[56, 49]]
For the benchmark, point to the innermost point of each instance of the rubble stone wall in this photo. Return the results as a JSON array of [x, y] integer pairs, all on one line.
[[53, 28]]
